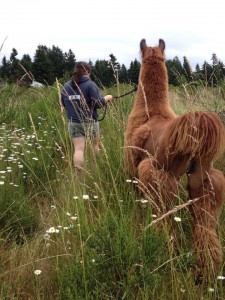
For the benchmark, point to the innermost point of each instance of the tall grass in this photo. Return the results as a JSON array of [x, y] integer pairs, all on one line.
[[89, 237]]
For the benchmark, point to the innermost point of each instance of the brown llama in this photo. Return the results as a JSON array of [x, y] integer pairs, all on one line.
[[160, 147]]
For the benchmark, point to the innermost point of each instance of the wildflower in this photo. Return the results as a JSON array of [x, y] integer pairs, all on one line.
[[52, 230], [37, 272], [220, 277], [46, 236], [53, 206], [135, 181], [68, 214], [95, 197], [154, 216], [34, 158], [128, 180], [2, 182], [75, 197], [73, 218], [177, 219], [85, 197], [143, 201], [211, 290]]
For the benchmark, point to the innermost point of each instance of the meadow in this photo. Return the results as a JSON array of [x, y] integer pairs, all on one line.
[[63, 237]]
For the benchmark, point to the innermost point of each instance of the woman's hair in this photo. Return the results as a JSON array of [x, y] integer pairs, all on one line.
[[81, 68]]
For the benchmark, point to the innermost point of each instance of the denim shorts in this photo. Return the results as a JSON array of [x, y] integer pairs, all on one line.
[[89, 129]]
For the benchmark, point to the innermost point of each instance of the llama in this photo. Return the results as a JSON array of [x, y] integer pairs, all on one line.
[[160, 147]]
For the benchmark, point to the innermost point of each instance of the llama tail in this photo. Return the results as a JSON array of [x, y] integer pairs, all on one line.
[[197, 134]]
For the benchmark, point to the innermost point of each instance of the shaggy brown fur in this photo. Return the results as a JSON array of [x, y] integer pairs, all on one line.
[[160, 147]]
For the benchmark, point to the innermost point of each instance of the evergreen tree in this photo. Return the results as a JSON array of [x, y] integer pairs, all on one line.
[[15, 70], [114, 62], [187, 70], [5, 69], [57, 64], [26, 67], [26, 62], [198, 73], [70, 61], [176, 73], [197, 69], [218, 69], [103, 74], [134, 71], [123, 74], [115, 67], [41, 67], [172, 77], [215, 60], [207, 71]]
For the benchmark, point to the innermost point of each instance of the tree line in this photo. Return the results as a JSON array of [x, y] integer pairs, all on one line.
[[51, 63]]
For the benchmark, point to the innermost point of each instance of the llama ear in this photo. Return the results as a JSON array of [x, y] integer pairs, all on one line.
[[143, 46], [162, 45]]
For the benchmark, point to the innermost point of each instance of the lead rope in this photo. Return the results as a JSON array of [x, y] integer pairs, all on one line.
[[117, 97]]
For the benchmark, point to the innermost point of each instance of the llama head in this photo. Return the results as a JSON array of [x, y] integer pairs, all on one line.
[[149, 53]]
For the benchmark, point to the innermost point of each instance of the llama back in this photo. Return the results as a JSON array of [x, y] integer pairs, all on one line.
[[200, 134]]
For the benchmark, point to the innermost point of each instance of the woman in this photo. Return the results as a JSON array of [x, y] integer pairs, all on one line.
[[81, 98]]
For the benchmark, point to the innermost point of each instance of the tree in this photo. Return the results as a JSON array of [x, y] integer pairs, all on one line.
[[26, 67], [57, 64], [176, 74], [15, 69], [115, 66], [187, 70], [41, 67], [123, 74], [207, 71], [5, 69], [218, 70], [134, 71], [70, 61], [103, 73], [198, 74]]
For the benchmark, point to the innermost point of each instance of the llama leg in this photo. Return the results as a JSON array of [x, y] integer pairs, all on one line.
[[160, 185], [209, 187], [133, 150]]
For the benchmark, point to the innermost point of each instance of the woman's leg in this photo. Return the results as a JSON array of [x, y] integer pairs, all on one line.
[[79, 147]]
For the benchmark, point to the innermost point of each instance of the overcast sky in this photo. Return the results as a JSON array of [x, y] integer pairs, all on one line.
[[93, 29]]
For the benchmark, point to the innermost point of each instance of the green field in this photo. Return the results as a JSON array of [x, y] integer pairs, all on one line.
[[64, 238]]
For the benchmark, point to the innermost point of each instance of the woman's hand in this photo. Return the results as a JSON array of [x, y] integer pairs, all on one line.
[[108, 98]]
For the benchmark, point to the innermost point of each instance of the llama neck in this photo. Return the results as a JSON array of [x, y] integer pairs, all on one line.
[[152, 96]]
